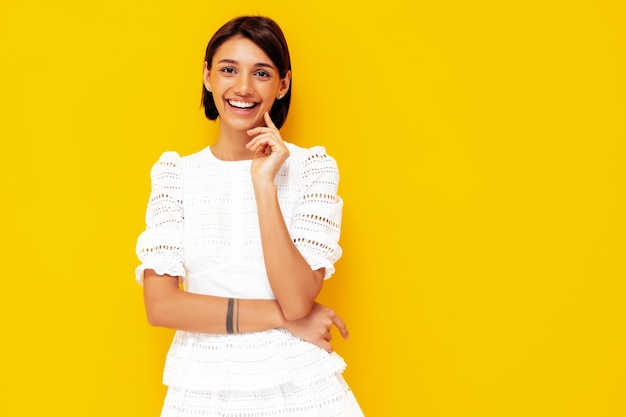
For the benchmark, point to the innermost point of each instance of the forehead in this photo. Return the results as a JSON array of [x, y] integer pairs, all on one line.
[[241, 50]]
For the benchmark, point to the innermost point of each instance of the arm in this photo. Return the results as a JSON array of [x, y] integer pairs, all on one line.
[[293, 282], [168, 306]]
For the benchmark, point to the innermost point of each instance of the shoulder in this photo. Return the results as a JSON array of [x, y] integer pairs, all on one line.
[[169, 157], [198, 157], [167, 162], [313, 156], [173, 161]]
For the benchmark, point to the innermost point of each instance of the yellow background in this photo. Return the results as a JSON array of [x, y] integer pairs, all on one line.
[[482, 152]]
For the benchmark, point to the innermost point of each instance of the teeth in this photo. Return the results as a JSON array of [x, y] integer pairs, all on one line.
[[240, 104]]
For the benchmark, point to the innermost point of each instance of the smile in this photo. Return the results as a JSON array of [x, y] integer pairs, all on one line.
[[241, 104]]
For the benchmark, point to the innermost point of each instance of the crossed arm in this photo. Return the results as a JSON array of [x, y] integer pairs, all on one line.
[[169, 306]]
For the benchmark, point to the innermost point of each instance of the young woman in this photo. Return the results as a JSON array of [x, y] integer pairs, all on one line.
[[250, 227]]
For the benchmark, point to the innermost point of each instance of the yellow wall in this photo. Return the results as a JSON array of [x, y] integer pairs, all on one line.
[[482, 151]]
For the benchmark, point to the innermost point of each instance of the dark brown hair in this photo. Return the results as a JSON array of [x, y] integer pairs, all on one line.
[[268, 36]]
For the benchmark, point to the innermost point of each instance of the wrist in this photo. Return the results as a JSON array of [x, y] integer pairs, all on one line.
[[259, 315], [263, 184]]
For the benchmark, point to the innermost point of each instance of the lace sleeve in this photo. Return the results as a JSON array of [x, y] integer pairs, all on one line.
[[159, 247], [317, 218]]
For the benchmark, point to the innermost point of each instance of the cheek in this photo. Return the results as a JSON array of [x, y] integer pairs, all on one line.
[[271, 91]]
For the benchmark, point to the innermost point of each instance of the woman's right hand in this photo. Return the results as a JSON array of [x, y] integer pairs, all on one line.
[[315, 327]]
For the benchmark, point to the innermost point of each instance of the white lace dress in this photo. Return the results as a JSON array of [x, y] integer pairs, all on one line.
[[202, 225]]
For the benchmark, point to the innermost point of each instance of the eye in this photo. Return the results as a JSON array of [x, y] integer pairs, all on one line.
[[263, 74], [227, 70]]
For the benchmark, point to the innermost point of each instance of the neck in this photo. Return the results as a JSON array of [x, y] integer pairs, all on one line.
[[231, 145]]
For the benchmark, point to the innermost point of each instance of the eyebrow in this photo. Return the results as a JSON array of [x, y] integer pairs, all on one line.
[[258, 64]]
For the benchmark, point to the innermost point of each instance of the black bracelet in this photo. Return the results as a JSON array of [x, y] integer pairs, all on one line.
[[237, 320], [229, 317]]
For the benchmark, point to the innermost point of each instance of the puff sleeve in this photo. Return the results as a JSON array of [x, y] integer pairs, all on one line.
[[159, 246], [316, 223]]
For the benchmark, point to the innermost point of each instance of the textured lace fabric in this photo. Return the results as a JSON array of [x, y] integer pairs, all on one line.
[[330, 397], [202, 225], [202, 215]]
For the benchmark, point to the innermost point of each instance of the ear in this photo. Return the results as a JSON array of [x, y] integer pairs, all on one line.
[[284, 85], [206, 77]]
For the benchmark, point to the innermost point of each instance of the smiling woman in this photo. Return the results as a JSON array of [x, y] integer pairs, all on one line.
[[250, 225], [243, 83], [275, 55]]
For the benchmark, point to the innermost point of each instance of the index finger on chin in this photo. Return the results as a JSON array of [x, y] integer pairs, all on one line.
[[268, 121]]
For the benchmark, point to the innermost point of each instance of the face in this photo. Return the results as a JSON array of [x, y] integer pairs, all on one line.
[[244, 82]]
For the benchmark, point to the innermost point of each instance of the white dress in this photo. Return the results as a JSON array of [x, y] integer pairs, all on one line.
[[202, 225]]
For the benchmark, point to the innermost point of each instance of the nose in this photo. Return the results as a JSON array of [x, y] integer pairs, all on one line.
[[244, 85]]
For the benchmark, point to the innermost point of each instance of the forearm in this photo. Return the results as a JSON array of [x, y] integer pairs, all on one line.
[[168, 306], [293, 282]]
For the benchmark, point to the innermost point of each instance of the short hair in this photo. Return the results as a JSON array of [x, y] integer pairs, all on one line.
[[268, 36]]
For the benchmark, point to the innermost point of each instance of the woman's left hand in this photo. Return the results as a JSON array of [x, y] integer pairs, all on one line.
[[315, 327], [270, 152]]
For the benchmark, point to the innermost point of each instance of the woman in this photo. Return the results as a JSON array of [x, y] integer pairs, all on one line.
[[250, 227]]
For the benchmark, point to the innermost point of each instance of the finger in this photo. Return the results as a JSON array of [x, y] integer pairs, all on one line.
[[262, 149], [326, 346], [270, 141], [341, 326], [263, 134], [268, 121], [255, 131], [261, 139], [255, 146], [253, 143]]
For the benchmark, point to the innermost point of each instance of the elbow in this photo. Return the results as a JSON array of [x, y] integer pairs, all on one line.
[[152, 318], [157, 293], [154, 315], [298, 304]]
